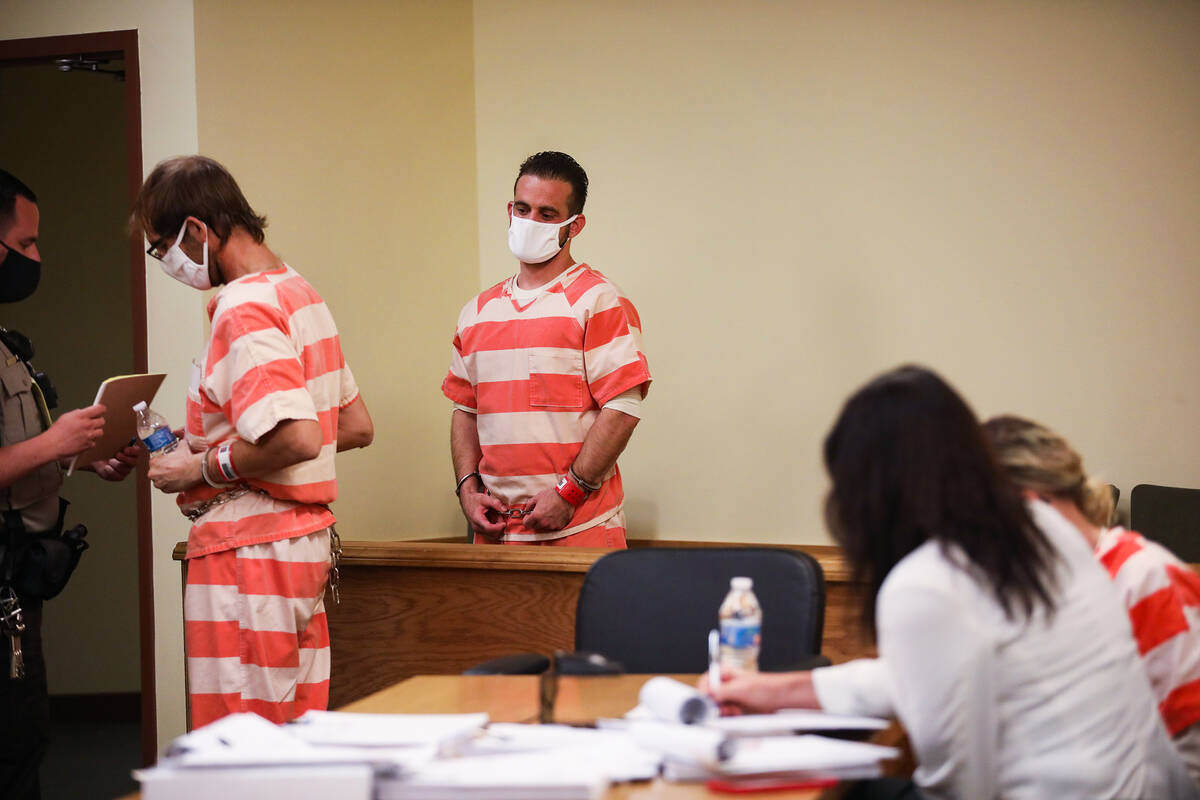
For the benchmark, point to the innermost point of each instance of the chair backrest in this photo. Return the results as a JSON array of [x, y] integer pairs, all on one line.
[[651, 609], [1168, 515]]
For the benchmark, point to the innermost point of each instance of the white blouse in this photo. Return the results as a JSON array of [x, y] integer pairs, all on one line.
[[1058, 706]]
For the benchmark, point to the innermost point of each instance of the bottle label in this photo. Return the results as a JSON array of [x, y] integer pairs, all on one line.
[[160, 438], [740, 633]]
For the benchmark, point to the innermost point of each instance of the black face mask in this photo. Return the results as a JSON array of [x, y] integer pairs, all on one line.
[[19, 276]]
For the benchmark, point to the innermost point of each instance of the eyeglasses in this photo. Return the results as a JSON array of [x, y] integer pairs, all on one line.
[[158, 249]]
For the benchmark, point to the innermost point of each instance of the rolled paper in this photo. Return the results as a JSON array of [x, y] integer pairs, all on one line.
[[672, 701]]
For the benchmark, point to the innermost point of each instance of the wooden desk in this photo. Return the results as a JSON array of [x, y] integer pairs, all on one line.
[[514, 698]]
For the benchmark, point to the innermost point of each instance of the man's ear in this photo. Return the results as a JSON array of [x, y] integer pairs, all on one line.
[[576, 226], [510, 205]]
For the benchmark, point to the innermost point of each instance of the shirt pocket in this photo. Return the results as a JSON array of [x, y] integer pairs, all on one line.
[[556, 381], [21, 420], [194, 432]]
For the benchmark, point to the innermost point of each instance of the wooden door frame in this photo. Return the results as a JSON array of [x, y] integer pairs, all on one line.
[[123, 45]]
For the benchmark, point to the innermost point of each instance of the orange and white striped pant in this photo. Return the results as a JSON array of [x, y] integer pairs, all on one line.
[[255, 631]]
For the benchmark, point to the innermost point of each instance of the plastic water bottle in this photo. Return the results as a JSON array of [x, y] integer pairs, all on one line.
[[154, 430], [741, 626]]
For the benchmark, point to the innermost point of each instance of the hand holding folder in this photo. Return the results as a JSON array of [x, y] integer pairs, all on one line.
[[117, 395]]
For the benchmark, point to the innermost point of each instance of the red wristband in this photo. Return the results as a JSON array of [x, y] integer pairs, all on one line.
[[569, 491], [225, 461]]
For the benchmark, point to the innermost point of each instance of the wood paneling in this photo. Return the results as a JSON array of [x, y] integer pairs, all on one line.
[[398, 621], [438, 607]]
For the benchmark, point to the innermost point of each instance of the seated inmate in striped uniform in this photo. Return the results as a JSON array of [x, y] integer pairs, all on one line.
[[547, 377], [270, 402], [1161, 593]]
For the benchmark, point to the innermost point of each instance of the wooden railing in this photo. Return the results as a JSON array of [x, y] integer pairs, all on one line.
[[437, 607]]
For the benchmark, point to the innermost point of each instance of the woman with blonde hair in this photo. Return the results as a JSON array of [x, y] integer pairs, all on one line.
[[1161, 593]]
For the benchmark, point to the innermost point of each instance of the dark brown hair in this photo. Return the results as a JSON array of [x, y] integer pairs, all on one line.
[[909, 464], [193, 186], [553, 165]]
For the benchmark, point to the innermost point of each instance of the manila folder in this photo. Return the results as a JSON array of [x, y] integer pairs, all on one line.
[[118, 395]]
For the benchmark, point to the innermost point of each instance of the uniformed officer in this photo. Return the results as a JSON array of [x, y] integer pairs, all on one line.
[[32, 449]]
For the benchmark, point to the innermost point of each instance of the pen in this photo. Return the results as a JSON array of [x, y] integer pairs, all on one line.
[[714, 659]]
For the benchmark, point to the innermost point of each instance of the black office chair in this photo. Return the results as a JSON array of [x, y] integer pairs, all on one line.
[[650, 610], [1168, 515]]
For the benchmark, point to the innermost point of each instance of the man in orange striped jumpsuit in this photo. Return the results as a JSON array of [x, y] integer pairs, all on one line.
[[547, 377], [270, 402]]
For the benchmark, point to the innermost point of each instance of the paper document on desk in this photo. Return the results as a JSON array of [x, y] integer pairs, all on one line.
[[245, 757], [615, 752], [792, 720], [386, 730], [669, 700], [296, 782], [549, 775], [790, 754], [248, 740]]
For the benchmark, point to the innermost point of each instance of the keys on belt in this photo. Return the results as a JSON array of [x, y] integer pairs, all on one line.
[[12, 625]]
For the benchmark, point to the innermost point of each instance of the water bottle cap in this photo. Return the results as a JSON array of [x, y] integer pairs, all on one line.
[[744, 584], [140, 405]]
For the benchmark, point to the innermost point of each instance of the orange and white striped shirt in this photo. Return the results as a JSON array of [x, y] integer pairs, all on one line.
[[536, 377], [1163, 597], [274, 355]]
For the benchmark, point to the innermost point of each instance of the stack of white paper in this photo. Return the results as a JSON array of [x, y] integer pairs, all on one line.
[[436, 756], [614, 752], [792, 720], [245, 756], [295, 782], [545, 775], [680, 723], [801, 755], [341, 728]]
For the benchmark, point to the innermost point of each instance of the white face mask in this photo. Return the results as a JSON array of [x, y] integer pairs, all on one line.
[[177, 264], [534, 242]]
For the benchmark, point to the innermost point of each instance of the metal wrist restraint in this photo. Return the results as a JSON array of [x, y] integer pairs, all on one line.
[[591, 487], [508, 512], [204, 473], [464, 479]]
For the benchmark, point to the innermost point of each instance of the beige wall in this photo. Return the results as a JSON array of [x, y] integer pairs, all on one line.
[[70, 149], [354, 134], [799, 195], [166, 53], [796, 196]]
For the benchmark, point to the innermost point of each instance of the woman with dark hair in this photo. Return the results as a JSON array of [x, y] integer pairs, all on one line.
[[1003, 648]]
